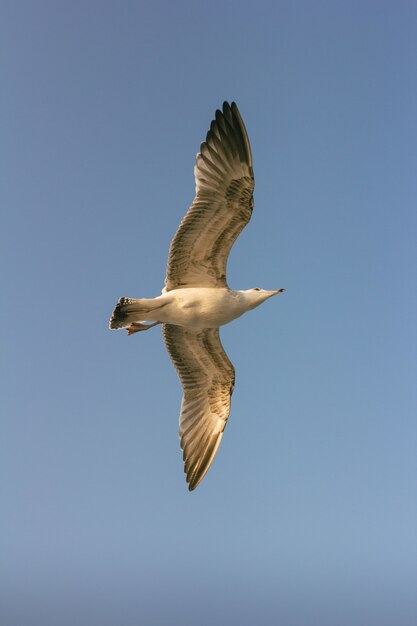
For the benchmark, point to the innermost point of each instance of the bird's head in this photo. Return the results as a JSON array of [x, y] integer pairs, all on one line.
[[257, 295]]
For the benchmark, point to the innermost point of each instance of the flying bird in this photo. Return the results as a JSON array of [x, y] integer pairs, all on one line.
[[196, 299]]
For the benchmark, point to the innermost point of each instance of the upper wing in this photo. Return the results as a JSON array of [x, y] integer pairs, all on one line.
[[221, 208], [207, 377]]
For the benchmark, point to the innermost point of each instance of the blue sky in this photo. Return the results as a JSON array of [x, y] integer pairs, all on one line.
[[308, 515]]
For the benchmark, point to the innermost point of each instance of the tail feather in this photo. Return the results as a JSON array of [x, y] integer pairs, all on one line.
[[129, 310]]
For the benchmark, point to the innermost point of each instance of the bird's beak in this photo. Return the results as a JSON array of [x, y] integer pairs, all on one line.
[[274, 293]]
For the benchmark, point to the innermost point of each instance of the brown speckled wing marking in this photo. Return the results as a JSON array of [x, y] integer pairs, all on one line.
[[207, 377], [221, 208]]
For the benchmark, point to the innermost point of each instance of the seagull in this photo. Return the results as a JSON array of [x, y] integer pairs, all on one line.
[[196, 299]]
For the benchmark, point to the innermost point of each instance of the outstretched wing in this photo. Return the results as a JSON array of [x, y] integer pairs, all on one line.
[[207, 378], [221, 208]]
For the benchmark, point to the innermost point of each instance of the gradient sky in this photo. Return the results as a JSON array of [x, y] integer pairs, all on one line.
[[308, 515]]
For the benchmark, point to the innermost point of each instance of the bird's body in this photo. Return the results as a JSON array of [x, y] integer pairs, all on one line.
[[196, 299], [193, 307]]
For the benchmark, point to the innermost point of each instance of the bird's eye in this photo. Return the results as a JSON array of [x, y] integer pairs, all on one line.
[[257, 288]]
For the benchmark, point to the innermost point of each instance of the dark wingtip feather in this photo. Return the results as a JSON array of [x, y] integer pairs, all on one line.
[[196, 474], [237, 115]]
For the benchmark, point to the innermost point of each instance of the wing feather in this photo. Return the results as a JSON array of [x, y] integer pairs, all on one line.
[[207, 377], [221, 208]]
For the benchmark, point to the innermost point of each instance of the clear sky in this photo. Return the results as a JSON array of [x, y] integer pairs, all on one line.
[[308, 515]]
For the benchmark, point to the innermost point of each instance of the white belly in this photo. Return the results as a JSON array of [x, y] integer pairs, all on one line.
[[200, 307]]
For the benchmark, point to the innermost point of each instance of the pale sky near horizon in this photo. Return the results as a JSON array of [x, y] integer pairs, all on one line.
[[308, 514]]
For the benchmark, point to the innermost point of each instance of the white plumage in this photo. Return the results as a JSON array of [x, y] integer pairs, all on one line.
[[196, 299]]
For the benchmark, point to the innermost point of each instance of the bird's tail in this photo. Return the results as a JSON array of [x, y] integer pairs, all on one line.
[[129, 310]]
